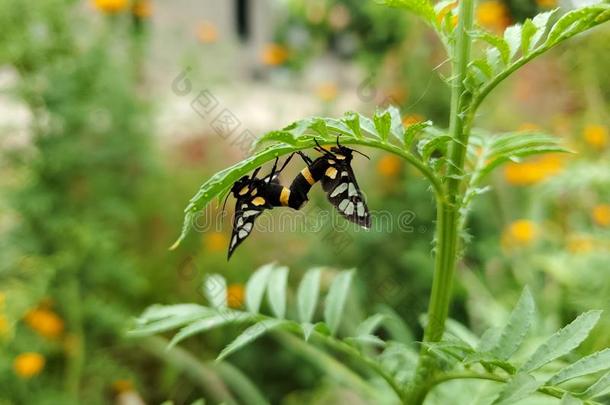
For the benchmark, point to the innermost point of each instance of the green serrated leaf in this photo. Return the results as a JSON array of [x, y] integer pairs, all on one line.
[[593, 363], [276, 291], [570, 400], [489, 339], [383, 123], [352, 120], [369, 325], [215, 290], [307, 329], [421, 8], [336, 298], [563, 341], [512, 36], [497, 42], [519, 387], [371, 340], [517, 327], [157, 318], [527, 34], [575, 22], [308, 293], [601, 387], [397, 128], [206, 324], [413, 130], [255, 287], [249, 335]]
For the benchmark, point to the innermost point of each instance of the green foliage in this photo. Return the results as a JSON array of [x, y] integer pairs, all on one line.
[[395, 363]]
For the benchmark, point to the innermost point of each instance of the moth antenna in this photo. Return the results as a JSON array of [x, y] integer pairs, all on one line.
[[357, 151], [254, 173], [286, 162], [224, 204], [305, 158], [338, 145]]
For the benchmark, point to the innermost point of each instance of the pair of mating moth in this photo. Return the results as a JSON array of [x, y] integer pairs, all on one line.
[[333, 169]]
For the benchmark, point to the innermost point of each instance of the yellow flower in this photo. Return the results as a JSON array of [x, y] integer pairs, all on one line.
[[327, 91], [446, 10], [388, 166], [601, 215], [596, 136], [534, 171], [493, 15], [110, 6], [4, 325], [45, 322], [274, 54], [27, 365], [519, 233], [546, 3], [207, 33], [142, 8], [235, 295], [122, 386], [580, 244], [215, 241], [528, 127], [411, 119]]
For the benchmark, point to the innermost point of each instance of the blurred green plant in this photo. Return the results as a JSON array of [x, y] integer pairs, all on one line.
[[455, 162], [69, 267]]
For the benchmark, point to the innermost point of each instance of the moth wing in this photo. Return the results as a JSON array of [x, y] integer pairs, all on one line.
[[246, 212], [345, 195]]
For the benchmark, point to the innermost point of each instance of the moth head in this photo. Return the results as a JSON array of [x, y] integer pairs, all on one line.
[[240, 184], [342, 151]]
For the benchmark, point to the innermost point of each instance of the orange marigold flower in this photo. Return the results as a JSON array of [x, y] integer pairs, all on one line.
[[27, 365], [235, 295], [207, 33], [596, 136], [45, 322], [110, 6], [274, 54], [142, 8], [546, 3], [519, 233], [388, 166], [601, 215], [493, 15], [215, 241], [327, 91], [411, 119]]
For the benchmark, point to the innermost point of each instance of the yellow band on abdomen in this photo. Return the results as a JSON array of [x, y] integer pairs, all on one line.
[[284, 196], [307, 174]]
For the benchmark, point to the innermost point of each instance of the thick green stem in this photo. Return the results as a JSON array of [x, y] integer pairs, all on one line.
[[448, 212]]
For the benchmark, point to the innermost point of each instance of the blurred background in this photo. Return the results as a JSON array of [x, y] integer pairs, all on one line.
[[113, 112]]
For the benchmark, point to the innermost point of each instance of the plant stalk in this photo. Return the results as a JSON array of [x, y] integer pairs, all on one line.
[[448, 210]]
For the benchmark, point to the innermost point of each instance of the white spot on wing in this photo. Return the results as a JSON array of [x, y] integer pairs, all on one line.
[[250, 213], [343, 204], [338, 190], [349, 210], [234, 241], [344, 174], [240, 222], [247, 227], [242, 234], [352, 190], [360, 209]]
